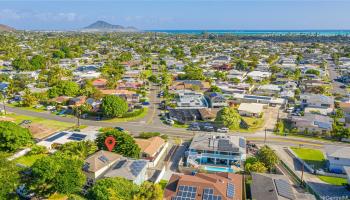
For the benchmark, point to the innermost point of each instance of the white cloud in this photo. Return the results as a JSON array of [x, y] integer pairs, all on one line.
[[13, 15]]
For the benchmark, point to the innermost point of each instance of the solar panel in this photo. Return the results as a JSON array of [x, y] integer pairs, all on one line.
[[186, 192], [230, 190], [77, 137], [208, 194], [103, 159], [137, 166], [284, 189], [55, 137]]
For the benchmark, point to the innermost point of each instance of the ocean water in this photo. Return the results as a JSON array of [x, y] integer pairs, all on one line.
[[259, 32]]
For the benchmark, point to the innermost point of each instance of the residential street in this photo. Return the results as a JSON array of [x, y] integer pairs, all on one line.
[[333, 74]]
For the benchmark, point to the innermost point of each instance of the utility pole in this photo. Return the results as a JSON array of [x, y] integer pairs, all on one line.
[[4, 101], [302, 170], [78, 117], [265, 137]]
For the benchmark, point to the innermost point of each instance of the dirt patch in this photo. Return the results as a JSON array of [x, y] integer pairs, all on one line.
[[40, 131], [8, 119]]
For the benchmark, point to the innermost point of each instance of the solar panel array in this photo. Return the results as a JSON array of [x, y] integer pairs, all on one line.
[[77, 137], [55, 137], [185, 193], [284, 189], [208, 194], [104, 159], [230, 190], [137, 166]]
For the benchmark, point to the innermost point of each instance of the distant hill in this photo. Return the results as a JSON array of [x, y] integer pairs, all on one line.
[[102, 26], [6, 28]]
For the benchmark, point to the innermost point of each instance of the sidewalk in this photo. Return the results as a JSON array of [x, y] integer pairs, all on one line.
[[324, 190]]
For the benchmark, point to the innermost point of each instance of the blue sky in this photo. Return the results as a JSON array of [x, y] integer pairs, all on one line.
[[179, 14]]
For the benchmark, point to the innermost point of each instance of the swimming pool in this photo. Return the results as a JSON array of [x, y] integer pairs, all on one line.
[[219, 169]]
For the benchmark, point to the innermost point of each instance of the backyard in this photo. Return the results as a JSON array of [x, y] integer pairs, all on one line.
[[333, 180], [29, 160]]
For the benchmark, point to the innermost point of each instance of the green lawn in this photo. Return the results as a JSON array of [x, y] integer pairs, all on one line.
[[49, 123], [29, 160], [333, 180], [126, 119], [253, 123], [313, 157], [42, 109]]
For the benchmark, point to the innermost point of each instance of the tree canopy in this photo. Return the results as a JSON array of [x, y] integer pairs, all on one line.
[[112, 188], [81, 149], [125, 143], [58, 173], [229, 117], [9, 177], [68, 88], [113, 106], [267, 156], [13, 136]]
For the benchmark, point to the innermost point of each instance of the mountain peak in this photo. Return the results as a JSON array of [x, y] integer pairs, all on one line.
[[6, 28], [105, 26]]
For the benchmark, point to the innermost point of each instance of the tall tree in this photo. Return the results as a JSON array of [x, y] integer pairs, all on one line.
[[13, 136], [229, 117], [113, 106], [125, 143], [58, 173], [267, 156]]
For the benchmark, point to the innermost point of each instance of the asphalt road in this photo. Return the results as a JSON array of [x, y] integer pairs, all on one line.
[[333, 74], [151, 123]]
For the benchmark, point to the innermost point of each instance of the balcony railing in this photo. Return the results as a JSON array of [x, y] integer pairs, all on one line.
[[211, 155]]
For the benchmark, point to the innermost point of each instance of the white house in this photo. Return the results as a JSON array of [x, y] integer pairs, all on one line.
[[191, 99], [250, 109], [338, 158], [258, 75]]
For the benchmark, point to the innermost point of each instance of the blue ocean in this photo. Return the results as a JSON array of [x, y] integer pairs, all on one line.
[[259, 32]]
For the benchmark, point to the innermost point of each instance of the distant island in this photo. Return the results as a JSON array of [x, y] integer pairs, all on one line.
[[6, 28], [102, 26]]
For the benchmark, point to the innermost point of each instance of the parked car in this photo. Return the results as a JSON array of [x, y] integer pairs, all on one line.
[[209, 128], [119, 128], [223, 130], [194, 128], [25, 122], [169, 121], [24, 193]]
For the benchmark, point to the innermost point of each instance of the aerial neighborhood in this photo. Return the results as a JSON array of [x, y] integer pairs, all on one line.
[[152, 116]]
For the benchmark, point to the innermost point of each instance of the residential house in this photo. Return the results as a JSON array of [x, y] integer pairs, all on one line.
[[219, 186], [152, 149], [129, 96], [100, 83], [236, 74], [258, 75], [317, 101], [190, 99], [345, 107], [184, 115], [338, 157], [130, 169], [216, 149], [190, 85], [251, 109], [312, 123], [216, 100], [98, 163], [272, 187], [208, 113], [77, 101], [268, 90], [246, 98], [230, 88]]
